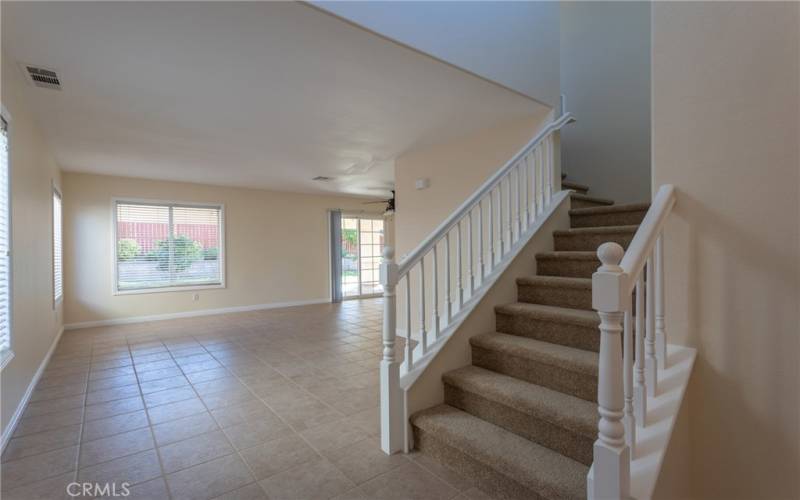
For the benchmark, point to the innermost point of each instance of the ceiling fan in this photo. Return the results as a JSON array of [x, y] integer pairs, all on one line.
[[389, 204]]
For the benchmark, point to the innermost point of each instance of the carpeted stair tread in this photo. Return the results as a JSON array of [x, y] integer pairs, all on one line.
[[572, 359], [555, 407], [539, 470], [560, 316], [614, 215], [578, 200], [556, 282], [567, 263], [559, 291], [589, 238], [568, 255], [580, 188], [551, 313], [597, 230], [612, 209]]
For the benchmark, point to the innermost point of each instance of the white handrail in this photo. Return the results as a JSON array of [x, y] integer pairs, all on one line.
[[644, 241], [422, 249], [531, 176]]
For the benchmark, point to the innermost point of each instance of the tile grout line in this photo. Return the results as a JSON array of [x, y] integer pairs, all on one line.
[[163, 476], [249, 331]]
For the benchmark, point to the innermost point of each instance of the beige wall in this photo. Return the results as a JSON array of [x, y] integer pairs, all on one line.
[[276, 247], [35, 322], [455, 170], [605, 79], [512, 43], [726, 129]]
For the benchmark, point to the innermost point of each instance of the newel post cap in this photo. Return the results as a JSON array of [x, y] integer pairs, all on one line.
[[388, 268], [608, 281], [610, 255]]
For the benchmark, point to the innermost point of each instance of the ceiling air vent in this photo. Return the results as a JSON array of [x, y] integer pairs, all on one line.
[[43, 77], [322, 178]]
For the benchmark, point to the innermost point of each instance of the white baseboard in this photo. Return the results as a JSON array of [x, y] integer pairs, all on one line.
[[12, 424], [191, 314]]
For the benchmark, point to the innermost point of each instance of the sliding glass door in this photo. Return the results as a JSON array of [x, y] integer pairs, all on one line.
[[362, 247]]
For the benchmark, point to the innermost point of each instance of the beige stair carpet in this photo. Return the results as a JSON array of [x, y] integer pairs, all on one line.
[[522, 419]]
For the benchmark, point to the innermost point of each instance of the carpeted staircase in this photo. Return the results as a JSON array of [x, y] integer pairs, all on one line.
[[521, 421]]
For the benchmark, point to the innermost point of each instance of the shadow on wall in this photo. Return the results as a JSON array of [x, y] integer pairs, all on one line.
[[743, 390]]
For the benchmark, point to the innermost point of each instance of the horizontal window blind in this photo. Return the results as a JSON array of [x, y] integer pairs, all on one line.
[[5, 250], [166, 245], [58, 287]]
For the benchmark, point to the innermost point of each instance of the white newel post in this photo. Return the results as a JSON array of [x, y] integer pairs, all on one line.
[[391, 395], [610, 475]]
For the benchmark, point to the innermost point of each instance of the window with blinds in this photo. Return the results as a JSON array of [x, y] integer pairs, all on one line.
[[58, 281], [5, 247], [162, 245]]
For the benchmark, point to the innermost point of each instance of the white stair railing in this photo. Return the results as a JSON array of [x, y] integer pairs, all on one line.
[[628, 376], [501, 211]]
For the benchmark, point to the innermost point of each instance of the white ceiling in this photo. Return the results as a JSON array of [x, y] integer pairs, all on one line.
[[258, 94]]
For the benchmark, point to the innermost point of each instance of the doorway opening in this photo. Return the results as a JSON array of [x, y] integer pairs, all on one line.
[[362, 243]]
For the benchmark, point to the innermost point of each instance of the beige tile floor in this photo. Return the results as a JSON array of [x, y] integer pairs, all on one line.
[[279, 404]]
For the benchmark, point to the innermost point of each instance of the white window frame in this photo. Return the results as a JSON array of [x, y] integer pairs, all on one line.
[[56, 192], [175, 288], [7, 355]]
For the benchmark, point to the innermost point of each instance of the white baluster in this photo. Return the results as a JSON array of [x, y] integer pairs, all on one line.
[[651, 364], [640, 381], [627, 358], [533, 182], [611, 467], [518, 219], [435, 293], [459, 268], [540, 179], [661, 334], [447, 295], [470, 273], [500, 230], [550, 168], [523, 184], [409, 349], [480, 242], [510, 216], [423, 334], [491, 229], [392, 421]]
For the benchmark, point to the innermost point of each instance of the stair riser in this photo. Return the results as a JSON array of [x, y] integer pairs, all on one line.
[[501, 486], [615, 219], [576, 203], [547, 375], [565, 441], [567, 334], [567, 268], [574, 298], [589, 242]]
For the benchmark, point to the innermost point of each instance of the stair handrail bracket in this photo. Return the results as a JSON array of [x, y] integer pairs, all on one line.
[[469, 248], [623, 387]]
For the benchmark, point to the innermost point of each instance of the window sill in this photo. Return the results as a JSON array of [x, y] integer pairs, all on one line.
[[5, 357], [164, 289]]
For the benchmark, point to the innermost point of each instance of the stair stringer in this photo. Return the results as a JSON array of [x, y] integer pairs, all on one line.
[[423, 386]]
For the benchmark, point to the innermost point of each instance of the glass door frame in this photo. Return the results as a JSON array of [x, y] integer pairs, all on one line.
[[359, 218]]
